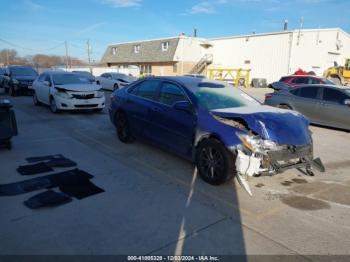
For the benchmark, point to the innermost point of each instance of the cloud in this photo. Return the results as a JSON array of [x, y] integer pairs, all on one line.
[[202, 8], [91, 27], [121, 3], [33, 6]]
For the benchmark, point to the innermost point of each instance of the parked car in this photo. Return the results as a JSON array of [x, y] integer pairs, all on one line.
[[222, 129], [67, 91], [19, 79], [113, 81], [2, 78], [297, 80], [323, 104], [196, 75], [88, 75]]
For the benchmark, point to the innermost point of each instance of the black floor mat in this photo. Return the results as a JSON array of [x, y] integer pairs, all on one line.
[[34, 169], [61, 162], [43, 158], [47, 199], [81, 190], [74, 176], [44, 167]]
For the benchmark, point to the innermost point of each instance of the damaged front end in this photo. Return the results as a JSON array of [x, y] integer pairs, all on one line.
[[257, 156], [271, 142]]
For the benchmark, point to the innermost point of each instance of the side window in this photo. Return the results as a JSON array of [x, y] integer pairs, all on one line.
[[42, 77], [295, 91], [309, 92], [148, 89], [48, 79], [171, 94], [300, 80], [314, 81], [335, 96]]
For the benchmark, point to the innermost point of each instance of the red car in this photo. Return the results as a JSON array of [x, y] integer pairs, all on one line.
[[296, 80]]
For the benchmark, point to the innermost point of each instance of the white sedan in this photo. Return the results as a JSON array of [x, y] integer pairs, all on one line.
[[113, 81], [67, 91]]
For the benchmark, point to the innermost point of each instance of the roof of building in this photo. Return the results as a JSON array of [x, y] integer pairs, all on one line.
[[150, 51]]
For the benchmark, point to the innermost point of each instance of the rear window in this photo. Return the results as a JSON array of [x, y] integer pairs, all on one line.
[[335, 96]]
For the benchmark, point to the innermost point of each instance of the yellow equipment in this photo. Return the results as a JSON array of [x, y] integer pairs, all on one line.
[[339, 74], [238, 77]]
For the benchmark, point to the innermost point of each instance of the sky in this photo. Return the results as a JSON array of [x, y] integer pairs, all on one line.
[[42, 26]]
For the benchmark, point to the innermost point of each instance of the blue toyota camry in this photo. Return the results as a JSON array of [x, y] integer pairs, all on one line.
[[224, 131]]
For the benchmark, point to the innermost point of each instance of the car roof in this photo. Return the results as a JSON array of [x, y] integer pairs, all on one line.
[[192, 83], [318, 77], [59, 72], [328, 86]]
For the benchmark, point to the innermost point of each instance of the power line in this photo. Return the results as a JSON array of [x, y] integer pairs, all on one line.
[[31, 49]]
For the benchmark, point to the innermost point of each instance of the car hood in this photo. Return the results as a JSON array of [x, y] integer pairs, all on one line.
[[285, 127], [79, 87], [24, 78]]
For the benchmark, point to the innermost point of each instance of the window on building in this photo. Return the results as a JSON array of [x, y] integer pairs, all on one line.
[[175, 68], [114, 50], [136, 49], [165, 46]]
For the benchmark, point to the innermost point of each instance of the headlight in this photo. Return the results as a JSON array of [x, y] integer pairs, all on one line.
[[100, 94], [63, 94], [257, 145]]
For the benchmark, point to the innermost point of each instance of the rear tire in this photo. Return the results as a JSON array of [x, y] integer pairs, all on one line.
[[285, 107], [123, 129], [215, 163]]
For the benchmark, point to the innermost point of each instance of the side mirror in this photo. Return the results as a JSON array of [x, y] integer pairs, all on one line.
[[184, 106], [47, 83], [346, 102]]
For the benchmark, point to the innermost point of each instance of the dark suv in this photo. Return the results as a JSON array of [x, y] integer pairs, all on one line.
[[19, 79]]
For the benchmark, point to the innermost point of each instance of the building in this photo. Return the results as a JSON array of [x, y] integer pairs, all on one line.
[[268, 55], [166, 56]]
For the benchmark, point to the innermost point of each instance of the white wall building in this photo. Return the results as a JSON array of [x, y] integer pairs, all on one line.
[[273, 55], [268, 55]]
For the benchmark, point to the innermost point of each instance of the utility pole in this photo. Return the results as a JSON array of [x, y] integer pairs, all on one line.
[[89, 54], [7, 57], [66, 45]]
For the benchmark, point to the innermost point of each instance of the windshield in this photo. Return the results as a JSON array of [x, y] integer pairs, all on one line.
[[23, 71], [66, 79], [347, 91], [122, 77], [220, 98]]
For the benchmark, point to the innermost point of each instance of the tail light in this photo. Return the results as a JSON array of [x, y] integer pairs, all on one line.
[[268, 96]]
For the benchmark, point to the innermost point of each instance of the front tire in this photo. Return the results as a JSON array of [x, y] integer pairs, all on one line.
[[12, 91], [35, 100], [123, 129], [53, 106], [215, 163], [115, 87]]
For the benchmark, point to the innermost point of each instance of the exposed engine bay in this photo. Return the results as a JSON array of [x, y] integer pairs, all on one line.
[[257, 155]]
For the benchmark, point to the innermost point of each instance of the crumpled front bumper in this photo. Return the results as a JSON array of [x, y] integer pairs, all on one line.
[[273, 162]]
